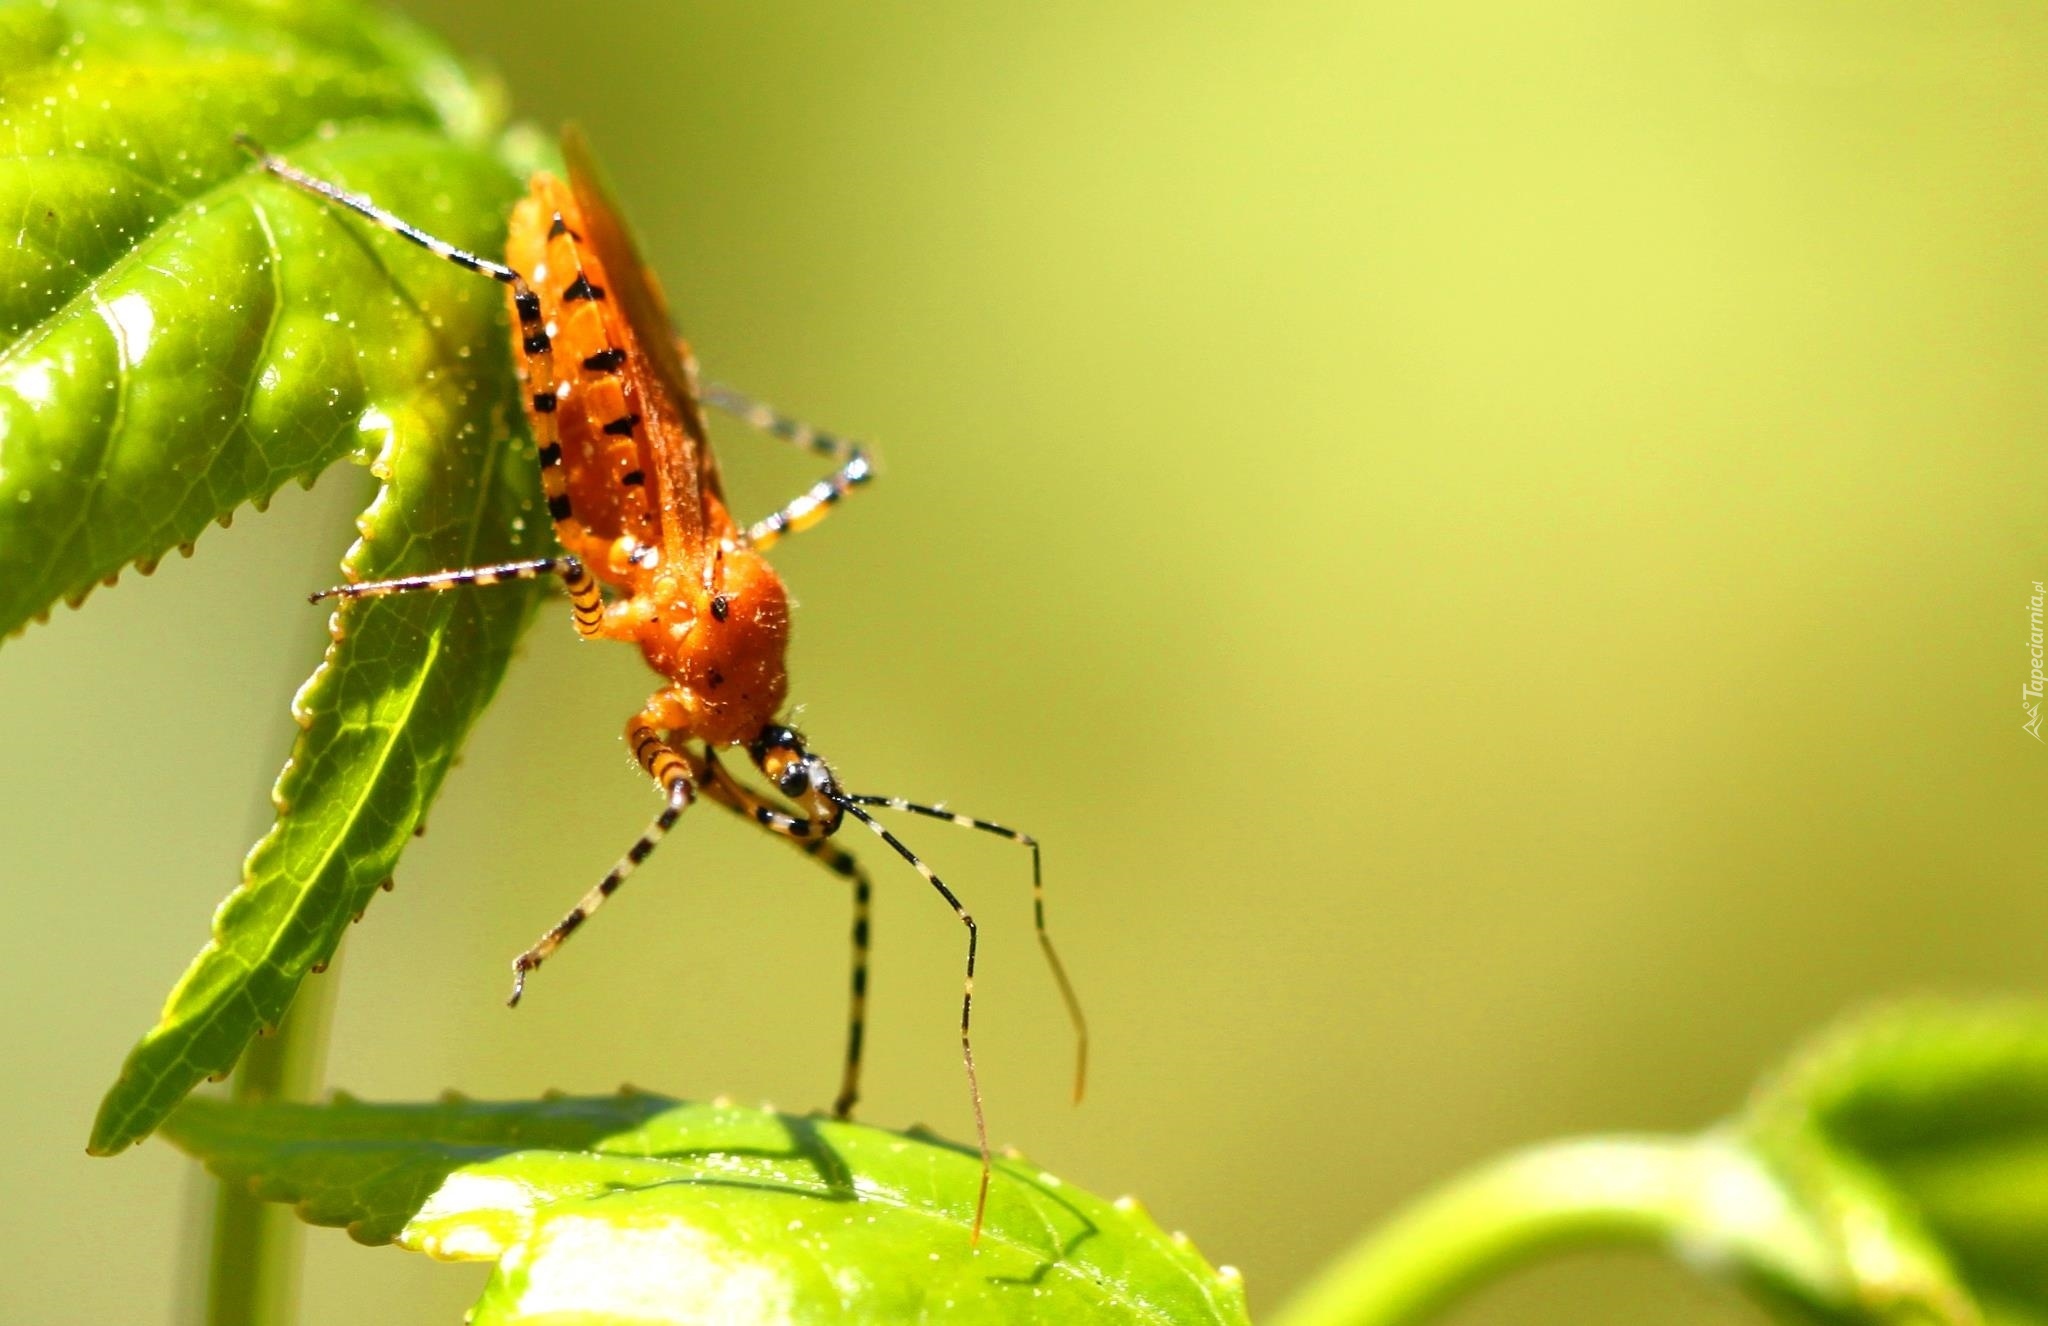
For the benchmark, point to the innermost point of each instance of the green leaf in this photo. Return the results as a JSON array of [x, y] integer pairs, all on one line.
[[1921, 1135], [1896, 1172], [181, 335], [1710, 1200], [634, 1208]]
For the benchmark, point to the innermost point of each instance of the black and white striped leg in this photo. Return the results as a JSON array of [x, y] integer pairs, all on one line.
[[813, 505], [841, 862], [1052, 957], [536, 342], [585, 600], [856, 464], [766, 418], [807, 836], [362, 206], [966, 999], [678, 780]]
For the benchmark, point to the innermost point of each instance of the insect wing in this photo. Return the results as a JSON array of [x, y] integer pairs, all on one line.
[[666, 384]]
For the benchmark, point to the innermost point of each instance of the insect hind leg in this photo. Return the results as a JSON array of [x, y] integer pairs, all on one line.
[[536, 343], [363, 207]]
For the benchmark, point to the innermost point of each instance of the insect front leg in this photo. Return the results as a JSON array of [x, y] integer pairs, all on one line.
[[808, 837], [586, 603], [966, 1000], [856, 467], [1052, 957], [678, 779]]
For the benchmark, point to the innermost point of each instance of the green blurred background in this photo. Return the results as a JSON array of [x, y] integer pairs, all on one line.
[[1492, 543]]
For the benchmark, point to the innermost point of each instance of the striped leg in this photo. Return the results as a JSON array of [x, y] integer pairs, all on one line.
[[674, 775], [1052, 957], [856, 467], [536, 343], [966, 999], [585, 602], [806, 837]]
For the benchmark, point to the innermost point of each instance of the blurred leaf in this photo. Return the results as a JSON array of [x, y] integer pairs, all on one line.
[[1895, 1172], [1920, 1135], [1710, 1199], [180, 335], [634, 1208]]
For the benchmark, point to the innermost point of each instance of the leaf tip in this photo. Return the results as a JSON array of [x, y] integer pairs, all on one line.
[[112, 1132], [104, 1146]]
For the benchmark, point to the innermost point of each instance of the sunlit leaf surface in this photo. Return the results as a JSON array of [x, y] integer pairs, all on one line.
[[634, 1208], [180, 336]]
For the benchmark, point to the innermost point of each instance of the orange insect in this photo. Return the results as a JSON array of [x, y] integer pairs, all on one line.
[[633, 490]]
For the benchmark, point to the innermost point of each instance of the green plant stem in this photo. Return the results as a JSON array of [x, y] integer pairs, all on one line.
[[1706, 1198], [252, 1265]]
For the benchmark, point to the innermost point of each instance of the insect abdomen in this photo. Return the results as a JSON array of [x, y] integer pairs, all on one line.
[[603, 459]]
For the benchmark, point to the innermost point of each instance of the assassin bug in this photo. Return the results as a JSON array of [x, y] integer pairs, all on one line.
[[634, 494]]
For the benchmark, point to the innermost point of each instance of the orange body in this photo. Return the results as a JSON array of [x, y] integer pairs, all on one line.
[[633, 494], [650, 519]]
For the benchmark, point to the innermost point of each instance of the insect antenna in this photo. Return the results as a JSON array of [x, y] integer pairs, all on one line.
[[1052, 957], [852, 806]]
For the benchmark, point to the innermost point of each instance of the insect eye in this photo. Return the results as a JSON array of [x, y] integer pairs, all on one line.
[[721, 607], [777, 737], [795, 780]]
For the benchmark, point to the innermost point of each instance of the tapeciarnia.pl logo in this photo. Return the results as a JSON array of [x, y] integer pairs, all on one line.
[[2030, 694]]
